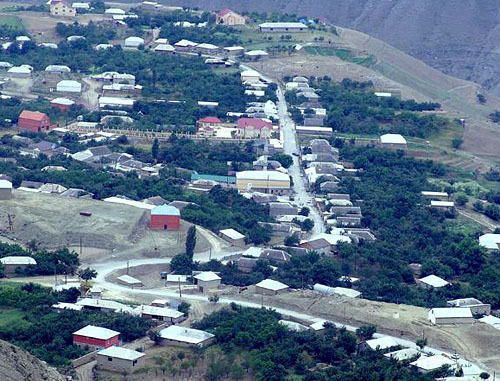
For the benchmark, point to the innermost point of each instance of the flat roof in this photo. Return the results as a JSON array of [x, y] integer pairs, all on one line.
[[185, 335], [452, 312], [272, 285], [294, 326], [121, 353], [490, 241], [67, 306], [434, 194], [442, 203], [432, 362], [231, 233], [159, 311], [96, 332], [165, 210]]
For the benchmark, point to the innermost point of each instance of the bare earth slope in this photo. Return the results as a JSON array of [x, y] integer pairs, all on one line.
[[18, 365], [459, 37]]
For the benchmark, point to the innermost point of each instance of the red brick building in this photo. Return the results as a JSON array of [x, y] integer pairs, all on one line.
[[165, 217], [96, 337], [35, 121], [63, 104]]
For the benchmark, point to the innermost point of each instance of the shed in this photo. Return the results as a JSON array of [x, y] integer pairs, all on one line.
[[276, 27], [20, 71], [133, 42], [270, 287], [393, 140], [69, 86], [119, 359], [476, 306], [62, 104], [439, 316], [207, 280], [129, 281], [431, 281], [403, 354], [165, 217], [293, 326], [5, 190], [342, 291], [115, 102], [183, 336], [442, 205], [233, 236], [12, 263], [96, 337]]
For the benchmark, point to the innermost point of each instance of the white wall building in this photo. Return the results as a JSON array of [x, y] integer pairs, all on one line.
[[69, 86]]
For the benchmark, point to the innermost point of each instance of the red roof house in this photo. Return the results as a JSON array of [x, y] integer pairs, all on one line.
[[96, 337], [254, 128], [228, 17], [165, 217], [35, 121], [208, 121]]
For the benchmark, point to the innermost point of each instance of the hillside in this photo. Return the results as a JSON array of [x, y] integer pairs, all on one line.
[[460, 38], [19, 365]]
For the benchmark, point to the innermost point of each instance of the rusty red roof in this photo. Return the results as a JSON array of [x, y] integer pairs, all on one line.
[[33, 115], [210, 119], [254, 122]]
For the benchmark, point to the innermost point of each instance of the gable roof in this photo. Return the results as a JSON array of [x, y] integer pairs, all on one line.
[[224, 12], [207, 276], [434, 281], [33, 115], [210, 119], [121, 353], [96, 332], [254, 123], [270, 284]]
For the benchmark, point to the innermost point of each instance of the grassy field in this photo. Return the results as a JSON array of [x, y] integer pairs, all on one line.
[[13, 22], [343, 54], [12, 319]]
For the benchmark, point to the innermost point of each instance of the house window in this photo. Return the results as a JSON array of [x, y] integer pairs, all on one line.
[[134, 362], [110, 359]]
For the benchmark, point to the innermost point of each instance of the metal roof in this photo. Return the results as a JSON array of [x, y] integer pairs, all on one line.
[[14, 260], [96, 332], [207, 276], [231, 233], [165, 210], [271, 284], [121, 353], [186, 335], [159, 311]]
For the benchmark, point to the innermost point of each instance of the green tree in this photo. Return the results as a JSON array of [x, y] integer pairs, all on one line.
[[484, 376], [182, 264], [366, 332], [461, 199], [88, 274], [457, 142], [307, 224], [191, 241], [304, 211], [237, 372], [155, 149]]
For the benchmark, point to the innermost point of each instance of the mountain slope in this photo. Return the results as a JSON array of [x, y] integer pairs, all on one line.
[[459, 37], [18, 365]]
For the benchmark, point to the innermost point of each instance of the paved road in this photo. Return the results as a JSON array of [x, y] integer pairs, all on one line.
[[291, 147]]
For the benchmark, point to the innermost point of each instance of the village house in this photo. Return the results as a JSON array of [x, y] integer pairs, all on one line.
[[207, 280], [270, 287], [102, 305], [182, 336], [383, 343], [440, 316], [163, 314], [246, 264], [13, 264], [96, 337], [431, 281], [427, 364], [208, 123], [342, 291], [263, 181], [34, 121], [229, 18], [62, 8], [252, 128], [119, 359], [282, 209], [442, 205], [62, 104], [233, 236], [165, 217]]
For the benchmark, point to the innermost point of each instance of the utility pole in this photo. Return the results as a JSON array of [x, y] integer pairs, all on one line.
[[128, 266], [180, 289], [80, 245]]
